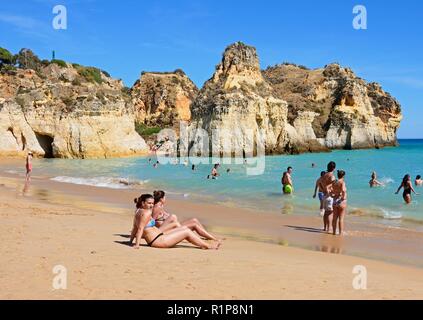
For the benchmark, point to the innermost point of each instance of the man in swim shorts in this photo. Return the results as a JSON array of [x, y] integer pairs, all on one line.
[[326, 182], [321, 193], [287, 186]]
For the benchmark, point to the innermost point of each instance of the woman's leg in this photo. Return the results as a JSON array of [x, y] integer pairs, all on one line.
[[335, 219], [196, 226], [342, 210], [180, 234], [169, 224], [407, 198]]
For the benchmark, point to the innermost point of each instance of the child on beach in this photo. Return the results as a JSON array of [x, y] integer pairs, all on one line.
[[28, 166], [321, 193], [144, 228]]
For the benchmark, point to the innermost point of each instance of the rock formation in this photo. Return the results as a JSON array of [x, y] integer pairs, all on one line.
[[297, 110], [163, 99], [349, 113], [66, 111]]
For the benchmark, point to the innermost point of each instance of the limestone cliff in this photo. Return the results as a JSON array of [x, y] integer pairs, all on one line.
[[163, 98], [297, 109], [66, 111], [239, 101], [349, 113]]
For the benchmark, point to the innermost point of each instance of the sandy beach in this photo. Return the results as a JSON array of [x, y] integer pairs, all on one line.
[[85, 229]]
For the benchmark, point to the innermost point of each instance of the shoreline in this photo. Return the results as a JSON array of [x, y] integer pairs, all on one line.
[[88, 239], [372, 241]]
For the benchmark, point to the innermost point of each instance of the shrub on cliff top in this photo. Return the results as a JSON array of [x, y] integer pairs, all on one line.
[[6, 57], [90, 74], [60, 63], [26, 59]]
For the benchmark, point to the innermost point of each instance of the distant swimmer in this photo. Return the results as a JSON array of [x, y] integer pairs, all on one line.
[[228, 170], [326, 182], [149, 160], [339, 193], [193, 167], [321, 193], [374, 182], [313, 165], [408, 188], [156, 164], [287, 185], [418, 182], [214, 173]]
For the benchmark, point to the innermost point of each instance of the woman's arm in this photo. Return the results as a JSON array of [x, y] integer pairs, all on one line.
[[412, 189], [142, 223], [315, 189], [399, 188]]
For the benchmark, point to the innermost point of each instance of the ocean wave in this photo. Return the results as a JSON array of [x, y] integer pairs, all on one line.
[[391, 215], [105, 182]]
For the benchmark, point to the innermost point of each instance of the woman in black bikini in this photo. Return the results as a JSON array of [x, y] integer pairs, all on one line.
[[408, 188], [144, 227]]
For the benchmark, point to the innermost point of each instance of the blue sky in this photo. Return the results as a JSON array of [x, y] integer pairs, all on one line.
[[128, 36]]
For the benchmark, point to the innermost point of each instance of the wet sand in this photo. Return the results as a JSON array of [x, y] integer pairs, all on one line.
[[265, 255]]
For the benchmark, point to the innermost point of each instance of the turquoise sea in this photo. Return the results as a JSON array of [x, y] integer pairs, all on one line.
[[262, 192]]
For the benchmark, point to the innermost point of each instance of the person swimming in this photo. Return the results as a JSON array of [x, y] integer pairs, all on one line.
[[374, 182], [408, 188], [418, 182], [214, 173], [321, 193], [287, 185]]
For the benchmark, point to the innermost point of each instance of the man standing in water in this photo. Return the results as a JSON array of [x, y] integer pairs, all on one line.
[[321, 193], [287, 186], [326, 183]]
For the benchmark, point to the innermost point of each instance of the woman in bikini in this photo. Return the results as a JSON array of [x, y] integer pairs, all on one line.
[[408, 188], [339, 194], [166, 221], [144, 227]]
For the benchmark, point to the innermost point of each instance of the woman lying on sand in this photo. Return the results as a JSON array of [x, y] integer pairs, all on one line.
[[144, 227], [166, 221]]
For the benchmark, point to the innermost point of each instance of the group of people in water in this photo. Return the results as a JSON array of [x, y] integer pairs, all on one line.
[[332, 193]]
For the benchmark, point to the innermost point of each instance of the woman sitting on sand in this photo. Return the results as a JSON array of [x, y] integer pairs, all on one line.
[[373, 181], [166, 221], [144, 227], [408, 188], [339, 192]]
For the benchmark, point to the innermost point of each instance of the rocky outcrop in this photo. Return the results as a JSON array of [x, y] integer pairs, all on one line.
[[295, 109], [163, 99], [66, 112], [239, 102], [349, 113]]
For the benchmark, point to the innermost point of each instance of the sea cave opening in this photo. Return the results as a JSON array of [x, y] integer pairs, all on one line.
[[46, 142]]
